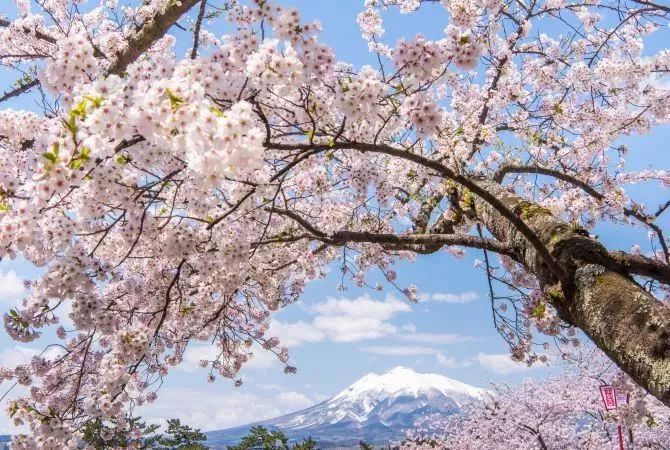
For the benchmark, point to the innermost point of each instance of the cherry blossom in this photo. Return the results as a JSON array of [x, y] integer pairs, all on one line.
[[170, 197]]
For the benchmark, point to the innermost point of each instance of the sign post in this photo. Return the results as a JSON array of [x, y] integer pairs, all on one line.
[[610, 401]]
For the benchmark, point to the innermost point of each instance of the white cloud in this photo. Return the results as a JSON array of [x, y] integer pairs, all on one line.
[[362, 306], [660, 81], [351, 329], [342, 320], [18, 354], [262, 359], [501, 363], [399, 350], [207, 410], [410, 328], [11, 288], [294, 400], [452, 363], [14, 356], [436, 338], [447, 297], [296, 333]]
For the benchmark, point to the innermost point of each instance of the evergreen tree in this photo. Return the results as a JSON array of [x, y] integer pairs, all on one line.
[[260, 437], [182, 437], [99, 436], [306, 444]]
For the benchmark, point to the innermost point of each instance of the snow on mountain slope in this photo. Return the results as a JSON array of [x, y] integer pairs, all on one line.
[[404, 381], [376, 407], [356, 402]]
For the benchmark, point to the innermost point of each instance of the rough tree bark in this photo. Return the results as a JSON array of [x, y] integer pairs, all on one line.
[[601, 297], [593, 290]]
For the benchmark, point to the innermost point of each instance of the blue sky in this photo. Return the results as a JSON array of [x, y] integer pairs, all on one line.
[[449, 333]]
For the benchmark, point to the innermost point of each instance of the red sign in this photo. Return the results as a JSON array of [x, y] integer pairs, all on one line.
[[609, 397]]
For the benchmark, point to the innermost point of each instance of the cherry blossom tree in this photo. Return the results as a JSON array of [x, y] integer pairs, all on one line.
[[173, 197], [564, 411]]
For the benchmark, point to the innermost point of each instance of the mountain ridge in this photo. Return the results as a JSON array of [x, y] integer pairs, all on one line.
[[377, 409]]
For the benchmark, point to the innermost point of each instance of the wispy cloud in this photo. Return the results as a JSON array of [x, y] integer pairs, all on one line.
[[501, 363], [262, 359], [399, 350], [295, 333], [363, 306], [18, 355], [448, 297], [343, 320], [452, 363], [209, 412], [660, 81], [436, 338], [11, 288]]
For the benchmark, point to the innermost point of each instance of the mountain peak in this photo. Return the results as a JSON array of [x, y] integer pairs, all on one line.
[[403, 380], [376, 408]]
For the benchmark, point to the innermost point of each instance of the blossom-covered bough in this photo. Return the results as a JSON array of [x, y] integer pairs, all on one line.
[[174, 198], [564, 411]]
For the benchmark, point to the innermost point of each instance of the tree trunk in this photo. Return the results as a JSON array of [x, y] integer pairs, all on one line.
[[600, 298]]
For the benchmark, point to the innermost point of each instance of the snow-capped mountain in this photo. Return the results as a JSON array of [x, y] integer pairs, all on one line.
[[375, 409]]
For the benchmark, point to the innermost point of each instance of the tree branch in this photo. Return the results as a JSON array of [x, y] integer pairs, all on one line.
[[642, 265], [647, 220], [148, 33], [448, 173], [392, 241], [196, 31], [19, 90], [38, 34]]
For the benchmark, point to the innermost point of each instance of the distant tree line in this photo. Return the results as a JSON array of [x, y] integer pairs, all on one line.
[[139, 435], [143, 436]]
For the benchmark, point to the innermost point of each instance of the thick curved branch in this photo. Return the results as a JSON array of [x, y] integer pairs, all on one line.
[[447, 173], [641, 265], [148, 33], [38, 34], [464, 240], [603, 300], [393, 241], [647, 220]]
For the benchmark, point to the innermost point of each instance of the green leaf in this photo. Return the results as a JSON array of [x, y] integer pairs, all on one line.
[[175, 100], [50, 156], [96, 101], [539, 311], [71, 125], [80, 159], [217, 112]]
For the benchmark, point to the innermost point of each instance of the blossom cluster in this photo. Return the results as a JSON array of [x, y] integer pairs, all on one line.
[[184, 200]]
